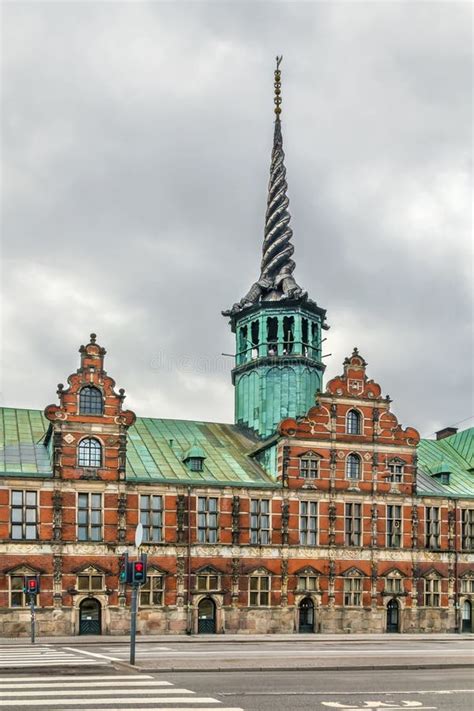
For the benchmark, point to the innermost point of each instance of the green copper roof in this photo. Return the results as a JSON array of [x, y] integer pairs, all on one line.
[[156, 448], [453, 454], [21, 450]]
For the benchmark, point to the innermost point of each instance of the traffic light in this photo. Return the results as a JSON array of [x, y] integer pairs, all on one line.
[[123, 568], [32, 585], [139, 572]]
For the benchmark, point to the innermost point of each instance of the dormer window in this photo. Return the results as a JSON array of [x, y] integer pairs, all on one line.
[[194, 458], [353, 422], [91, 401]]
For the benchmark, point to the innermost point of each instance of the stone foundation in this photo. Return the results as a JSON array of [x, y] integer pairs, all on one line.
[[63, 621]]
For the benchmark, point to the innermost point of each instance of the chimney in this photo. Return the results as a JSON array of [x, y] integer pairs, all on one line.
[[446, 432]]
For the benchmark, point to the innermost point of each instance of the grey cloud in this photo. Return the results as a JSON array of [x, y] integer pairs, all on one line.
[[136, 144]]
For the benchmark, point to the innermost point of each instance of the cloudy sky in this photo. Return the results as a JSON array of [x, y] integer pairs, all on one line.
[[136, 144]]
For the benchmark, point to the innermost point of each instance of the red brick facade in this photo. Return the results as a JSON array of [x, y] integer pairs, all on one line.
[[345, 529]]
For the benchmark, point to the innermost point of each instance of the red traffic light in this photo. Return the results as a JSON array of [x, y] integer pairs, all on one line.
[[32, 585], [138, 572]]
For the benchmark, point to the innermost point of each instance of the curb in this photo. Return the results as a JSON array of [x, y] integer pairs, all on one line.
[[349, 667]]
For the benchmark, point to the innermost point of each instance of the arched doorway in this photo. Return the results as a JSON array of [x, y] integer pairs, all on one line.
[[466, 616], [306, 618], [207, 616], [90, 616], [393, 616]]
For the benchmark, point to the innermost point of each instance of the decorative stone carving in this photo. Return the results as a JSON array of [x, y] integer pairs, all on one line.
[[69, 438], [57, 448], [285, 519], [285, 466], [235, 520], [374, 517], [332, 516], [181, 516], [57, 514], [122, 511], [414, 526], [284, 583]]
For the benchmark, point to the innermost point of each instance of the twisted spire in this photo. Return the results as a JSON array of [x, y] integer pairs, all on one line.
[[276, 280], [277, 249]]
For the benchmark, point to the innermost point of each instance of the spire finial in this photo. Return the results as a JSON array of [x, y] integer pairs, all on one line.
[[277, 99]]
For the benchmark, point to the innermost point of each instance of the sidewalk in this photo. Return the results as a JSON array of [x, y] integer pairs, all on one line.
[[238, 638]]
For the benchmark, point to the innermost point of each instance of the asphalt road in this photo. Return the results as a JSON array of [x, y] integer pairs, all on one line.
[[449, 690], [293, 653], [106, 689]]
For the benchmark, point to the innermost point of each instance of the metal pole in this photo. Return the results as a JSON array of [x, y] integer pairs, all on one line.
[[133, 623], [32, 608]]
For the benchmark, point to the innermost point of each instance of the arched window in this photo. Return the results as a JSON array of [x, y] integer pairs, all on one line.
[[353, 466], [353, 422], [89, 453], [91, 401]]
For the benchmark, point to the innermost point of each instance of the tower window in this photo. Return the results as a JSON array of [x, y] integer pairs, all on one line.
[[91, 401], [89, 453], [255, 337], [288, 334], [353, 466], [304, 336], [354, 422], [272, 332]]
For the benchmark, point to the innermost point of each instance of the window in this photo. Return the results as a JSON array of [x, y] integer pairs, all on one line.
[[353, 524], [24, 515], [260, 521], [18, 597], [354, 422], [432, 527], [90, 581], [91, 401], [195, 464], [394, 526], [309, 466], [89, 453], [153, 591], [467, 529], [207, 519], [207, 581], [393, 585], [396, 469], [432, 592], [259, 590], [89, 517], [308, 522], [467, 585], [352, 591], [307, 582], [151, 517], [353, 466]]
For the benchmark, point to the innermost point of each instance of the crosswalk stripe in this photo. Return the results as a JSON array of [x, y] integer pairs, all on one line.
[[131, 700], [90, 654], [54, 663], [157, 708], [66, 684], [94, 692], [87, 677]]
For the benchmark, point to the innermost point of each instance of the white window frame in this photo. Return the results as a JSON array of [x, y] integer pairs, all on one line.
[[353, 515], [89, 525], [155, 584], [260, 535], [259, 595], [394, 522], [151, 517], [353, 590], [25, 507], [308, 523], [207, 519], [467, 525], [432, 591]]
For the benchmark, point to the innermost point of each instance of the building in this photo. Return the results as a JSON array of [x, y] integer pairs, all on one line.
[[315, 512]]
